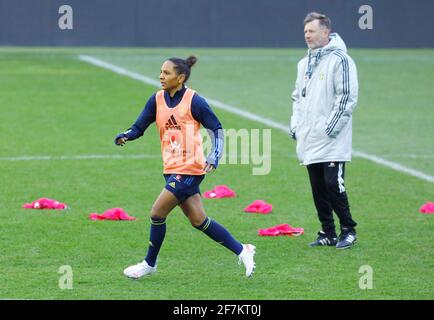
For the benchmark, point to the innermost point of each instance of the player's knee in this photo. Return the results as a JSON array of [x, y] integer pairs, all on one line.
[[156, 212], [196, 221]]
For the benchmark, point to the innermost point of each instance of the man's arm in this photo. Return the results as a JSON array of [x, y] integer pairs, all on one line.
[[346, 90], [146, 117], [295, 96]]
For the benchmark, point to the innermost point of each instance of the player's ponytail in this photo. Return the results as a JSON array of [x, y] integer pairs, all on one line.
[[190, 61], [183, 66]]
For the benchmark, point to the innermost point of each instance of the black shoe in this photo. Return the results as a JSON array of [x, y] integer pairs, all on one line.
[[324, 240], [346, 240]]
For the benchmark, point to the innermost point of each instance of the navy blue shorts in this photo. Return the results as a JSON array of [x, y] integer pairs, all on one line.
[[183, 186]]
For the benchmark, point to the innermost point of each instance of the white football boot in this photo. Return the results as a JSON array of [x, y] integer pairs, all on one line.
[[246, 257], [139, 270]]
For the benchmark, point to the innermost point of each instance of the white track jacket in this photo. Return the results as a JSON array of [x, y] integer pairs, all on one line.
[[324, 98]]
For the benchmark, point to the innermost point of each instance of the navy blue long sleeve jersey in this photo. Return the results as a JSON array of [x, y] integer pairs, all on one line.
[[200, 111]]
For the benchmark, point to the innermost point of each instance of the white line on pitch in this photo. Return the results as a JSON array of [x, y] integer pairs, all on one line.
[[155, 83], [82, 157], [252, 116], [409, 156], [394, 165], [225, 157]]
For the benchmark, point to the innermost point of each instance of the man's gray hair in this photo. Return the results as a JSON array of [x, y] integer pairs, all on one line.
[[324, 21]]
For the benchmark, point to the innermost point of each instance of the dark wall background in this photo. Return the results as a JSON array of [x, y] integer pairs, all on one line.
[[212, 23]]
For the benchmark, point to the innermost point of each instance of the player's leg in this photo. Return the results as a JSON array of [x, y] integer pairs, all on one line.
[[195, 212], [164, 204], [327, 236]]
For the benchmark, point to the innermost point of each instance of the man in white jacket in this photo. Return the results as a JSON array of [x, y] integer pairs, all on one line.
[[324, 98]]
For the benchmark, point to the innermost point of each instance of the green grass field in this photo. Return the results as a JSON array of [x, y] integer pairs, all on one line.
[[52, 104]]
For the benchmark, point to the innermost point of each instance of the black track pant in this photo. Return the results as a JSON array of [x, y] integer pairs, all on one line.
[[327, 182]]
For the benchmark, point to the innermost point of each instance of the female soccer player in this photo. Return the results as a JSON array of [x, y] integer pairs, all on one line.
[[179, 112]]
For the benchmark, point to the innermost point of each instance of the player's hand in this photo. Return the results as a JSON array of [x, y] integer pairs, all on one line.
[[209, 168], [121, 141]]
